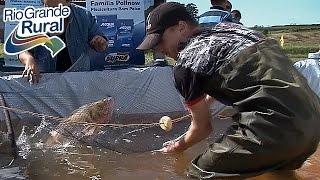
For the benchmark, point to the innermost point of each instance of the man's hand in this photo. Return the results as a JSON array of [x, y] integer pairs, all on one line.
[[99, 43], [172, 147], [31, 69], [200, 129]]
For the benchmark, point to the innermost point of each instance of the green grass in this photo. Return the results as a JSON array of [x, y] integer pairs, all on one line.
[[300, 50], [149, 58], [289, 28], [299, 40]]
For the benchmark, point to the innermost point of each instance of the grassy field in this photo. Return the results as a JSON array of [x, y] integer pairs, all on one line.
[[299, 40]]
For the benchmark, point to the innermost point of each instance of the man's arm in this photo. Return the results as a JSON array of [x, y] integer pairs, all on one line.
[[31, 69], [25, 57], [93, 27], [199, 129], [96, 37]]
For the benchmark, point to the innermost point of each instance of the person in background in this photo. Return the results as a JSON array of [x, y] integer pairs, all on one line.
[[229, 6], [218, 13], [236, 16], [310, 69], [81, 32], [277, 112]]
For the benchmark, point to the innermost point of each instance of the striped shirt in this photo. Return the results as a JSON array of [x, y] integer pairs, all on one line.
[[206, 52], [213, 17]]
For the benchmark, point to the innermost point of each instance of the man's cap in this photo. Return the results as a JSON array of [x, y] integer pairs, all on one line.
[[162, 17]]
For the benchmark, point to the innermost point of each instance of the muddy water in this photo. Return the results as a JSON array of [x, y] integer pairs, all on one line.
[[74, 162], [309, 171]]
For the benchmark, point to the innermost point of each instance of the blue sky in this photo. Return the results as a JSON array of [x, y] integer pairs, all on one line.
[[270, 12]]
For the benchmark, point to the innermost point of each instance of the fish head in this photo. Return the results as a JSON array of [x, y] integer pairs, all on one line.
[[101, 111]]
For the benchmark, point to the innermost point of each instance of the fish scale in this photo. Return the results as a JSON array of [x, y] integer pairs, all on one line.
[[96, 112]]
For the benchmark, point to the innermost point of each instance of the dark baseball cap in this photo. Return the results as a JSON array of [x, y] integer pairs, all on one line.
[[162, 17]]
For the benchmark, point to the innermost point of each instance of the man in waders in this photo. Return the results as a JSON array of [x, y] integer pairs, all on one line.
[[277, 124]]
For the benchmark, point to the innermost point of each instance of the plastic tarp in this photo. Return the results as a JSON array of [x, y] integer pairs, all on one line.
[[142, 95], [310, 69], [135, 90]]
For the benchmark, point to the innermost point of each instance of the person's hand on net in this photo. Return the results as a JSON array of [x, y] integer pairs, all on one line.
[[172, 147], [31, 71], [99, 43]]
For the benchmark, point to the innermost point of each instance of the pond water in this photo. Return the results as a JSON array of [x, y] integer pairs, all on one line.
[[78, 161]]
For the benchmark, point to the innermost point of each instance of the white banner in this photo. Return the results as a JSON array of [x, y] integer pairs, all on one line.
[[123, 23]]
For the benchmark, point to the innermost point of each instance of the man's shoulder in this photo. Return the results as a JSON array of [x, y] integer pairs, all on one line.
[[215, 45], [77, 7], [78, 10], [196, 53]]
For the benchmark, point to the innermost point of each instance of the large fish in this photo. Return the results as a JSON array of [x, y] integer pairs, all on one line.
[[99, 112]]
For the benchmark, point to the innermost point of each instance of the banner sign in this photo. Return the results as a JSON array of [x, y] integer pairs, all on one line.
[[148, 3], [123, 23]]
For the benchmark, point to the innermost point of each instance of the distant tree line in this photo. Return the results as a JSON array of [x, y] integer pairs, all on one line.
[[191, 7], [286, 28]]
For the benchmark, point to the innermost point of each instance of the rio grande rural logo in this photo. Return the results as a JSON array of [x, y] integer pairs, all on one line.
[[33, 27]]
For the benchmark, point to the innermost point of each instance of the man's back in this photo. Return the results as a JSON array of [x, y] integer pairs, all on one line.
[[276, 109]]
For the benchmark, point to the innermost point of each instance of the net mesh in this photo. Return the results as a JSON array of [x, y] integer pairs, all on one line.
[[142, 96], [127, 139]]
